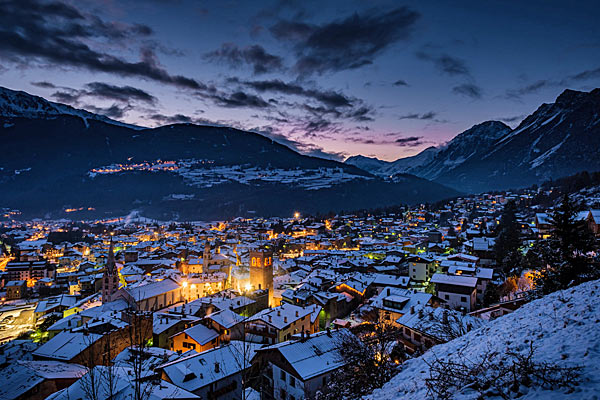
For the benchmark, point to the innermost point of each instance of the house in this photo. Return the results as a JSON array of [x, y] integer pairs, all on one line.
[[392, 303], [214, 374], [198, 337], [593, 221], [297, 369], [421, 268], [275, 325], [151, 296], [459, 292], [424, 326], [228, 324], [122, 384], [16, 290], [36, 380], [165, 325], [543, 223]]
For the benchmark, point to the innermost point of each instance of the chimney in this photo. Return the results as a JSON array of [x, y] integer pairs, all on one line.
[[445, 317], [329, 332], [270, 319], [302, 336], [285, 320], [412, 309], [297, 315], [217, 367], [279, 313], [388, 291]]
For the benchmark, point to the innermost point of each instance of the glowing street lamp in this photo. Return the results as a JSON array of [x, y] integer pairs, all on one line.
[[296, 215]]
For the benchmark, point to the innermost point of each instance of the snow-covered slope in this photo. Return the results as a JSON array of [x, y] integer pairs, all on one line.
[[564, 326], [21, 104], [470, 144], [389, 168]]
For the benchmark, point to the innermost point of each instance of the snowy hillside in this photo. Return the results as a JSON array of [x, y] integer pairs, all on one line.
[[20, 104], [387, 169], [563, 326], [470, 144]]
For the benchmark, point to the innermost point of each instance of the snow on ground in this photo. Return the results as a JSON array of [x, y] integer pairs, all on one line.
[[565, 327], [202, 173]]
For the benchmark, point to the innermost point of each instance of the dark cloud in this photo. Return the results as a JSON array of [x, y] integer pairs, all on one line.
[[425, 116], [584, 75], [411, 141], [60, 34], [256, 56], [327, 97], [445, 63], [346, 43], [239, 99], [115, 111], [400, 82], [101, 90], [44, 85], [468, 89], [529, 88], [304, 148], [121, 93]]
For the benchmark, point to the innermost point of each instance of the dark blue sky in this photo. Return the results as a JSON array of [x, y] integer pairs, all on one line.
[[379, 78]]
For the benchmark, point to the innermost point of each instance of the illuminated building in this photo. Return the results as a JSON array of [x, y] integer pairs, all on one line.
[[261, 271], [110, 278]]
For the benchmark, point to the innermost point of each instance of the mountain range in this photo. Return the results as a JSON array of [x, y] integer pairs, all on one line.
[[558, 139], [58, 161]]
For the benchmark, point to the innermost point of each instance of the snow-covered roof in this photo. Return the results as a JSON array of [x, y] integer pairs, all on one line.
[[226, 318], [200, 370], [284, 315], [456, 280], [313, 356], [201, 334]]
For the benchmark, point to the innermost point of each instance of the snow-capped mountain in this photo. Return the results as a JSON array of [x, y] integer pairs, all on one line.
[[562, 327], [56, 159], [21, 104], [387, 169], [558, 139], [473, 143]]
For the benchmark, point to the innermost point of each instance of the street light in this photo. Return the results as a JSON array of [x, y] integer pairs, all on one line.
[[296, 215]]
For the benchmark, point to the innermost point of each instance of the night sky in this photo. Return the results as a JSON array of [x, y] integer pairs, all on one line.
[[329, 78]]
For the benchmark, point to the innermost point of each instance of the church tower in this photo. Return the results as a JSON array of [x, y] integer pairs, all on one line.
[[110, 279], [261, 271]]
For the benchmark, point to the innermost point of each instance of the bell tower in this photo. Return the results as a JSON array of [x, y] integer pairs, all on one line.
[[261, 271], [110, 278]]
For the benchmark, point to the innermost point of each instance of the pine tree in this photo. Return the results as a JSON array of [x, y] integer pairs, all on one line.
[[508, 241]]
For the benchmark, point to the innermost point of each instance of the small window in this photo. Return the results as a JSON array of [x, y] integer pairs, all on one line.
[[463, 299], [292, 381], [282, 375], [447, 297]]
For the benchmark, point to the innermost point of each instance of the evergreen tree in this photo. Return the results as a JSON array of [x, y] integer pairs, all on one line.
[[564, 255], [508, 241]]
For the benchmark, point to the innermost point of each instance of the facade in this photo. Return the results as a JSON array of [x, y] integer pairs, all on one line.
[[421, 269], [110, 278], [261, 271], [16, 290], [459, 292]]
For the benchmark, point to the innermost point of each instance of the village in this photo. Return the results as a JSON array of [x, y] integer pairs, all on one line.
[[253, 308]]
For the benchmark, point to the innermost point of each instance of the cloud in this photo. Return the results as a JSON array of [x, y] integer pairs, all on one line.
[[529, 89], [400, 82], [239, 99], [328, 97], [584, 75], [115, 111], [445, 63], [308, 149], [425, 116], [59, 34], [514, 118], [411, 141], [121, 93], [469, 90], [256, 56], [44, 85], [347, 43]]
